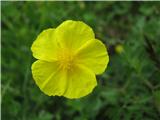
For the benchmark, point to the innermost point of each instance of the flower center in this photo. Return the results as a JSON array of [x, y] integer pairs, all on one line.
[[66, 59]]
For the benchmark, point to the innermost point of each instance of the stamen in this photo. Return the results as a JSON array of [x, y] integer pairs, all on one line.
[[66, 59]]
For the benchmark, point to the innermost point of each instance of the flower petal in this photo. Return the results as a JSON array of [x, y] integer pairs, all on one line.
[[94, 56], [73, 34], [45, 46], [54, 81], [81, 82], [50, 79]]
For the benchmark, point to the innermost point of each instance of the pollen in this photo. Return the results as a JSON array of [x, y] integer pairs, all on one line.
[[66, 59]]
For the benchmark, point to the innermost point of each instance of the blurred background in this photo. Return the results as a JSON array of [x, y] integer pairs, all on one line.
[[128, 90]]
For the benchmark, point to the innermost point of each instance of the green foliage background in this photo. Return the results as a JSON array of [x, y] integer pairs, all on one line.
[[128, 90]]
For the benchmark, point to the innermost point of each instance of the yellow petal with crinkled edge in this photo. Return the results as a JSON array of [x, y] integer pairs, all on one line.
[[94, 56], [80, 82], [49, 78], [73, 34], [54, 81], [45, 47]]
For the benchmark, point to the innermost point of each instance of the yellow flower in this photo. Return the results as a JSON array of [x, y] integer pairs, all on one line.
[[69, 57], [119, 48]]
